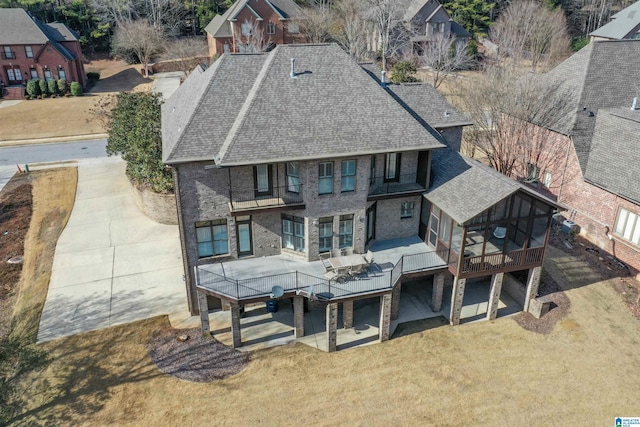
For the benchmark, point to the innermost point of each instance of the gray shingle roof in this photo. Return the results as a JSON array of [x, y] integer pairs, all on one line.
[[623, 24], [615, 152], [251, 111], [604, 74], [464, 188], [219, 25], [61, 33]]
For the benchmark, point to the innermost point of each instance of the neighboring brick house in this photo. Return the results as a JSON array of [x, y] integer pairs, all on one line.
[[30, 49], [251, 26], [282, 157], [597, 178], [623, 25]]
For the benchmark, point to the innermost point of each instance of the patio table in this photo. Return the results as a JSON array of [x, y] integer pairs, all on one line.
[[347, 262]]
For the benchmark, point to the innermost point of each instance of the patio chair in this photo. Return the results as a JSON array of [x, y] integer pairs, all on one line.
[[335, 253], [330, 275], [368, 257], [500, 232], [347, 251], [325, 261]]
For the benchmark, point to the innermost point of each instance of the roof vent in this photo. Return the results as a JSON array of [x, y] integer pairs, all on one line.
[[446, 113], [591, 114], [383, 80], [634, 104], [293, 68]]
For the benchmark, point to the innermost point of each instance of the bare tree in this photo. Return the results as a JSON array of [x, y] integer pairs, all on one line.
[[187, 52], [252, 38], [142, 39], [166, 14], [316, 23], [386, 22], [350, 29], [529, 30], [513, 116], [443, 55]]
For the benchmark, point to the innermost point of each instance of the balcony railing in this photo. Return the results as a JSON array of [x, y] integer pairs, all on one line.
[[405, 183], [252, 199], [372, 281], [8, 54], [503, 261]]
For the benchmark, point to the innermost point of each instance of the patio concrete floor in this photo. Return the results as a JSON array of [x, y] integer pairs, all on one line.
[[261, 329]]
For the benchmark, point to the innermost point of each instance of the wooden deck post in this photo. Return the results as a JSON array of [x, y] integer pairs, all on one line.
[[332, 326], [457, 295], [347, 314], [436, 294], [385, 317], [298, 315], [494, 296], [203, 306], [235, 325]]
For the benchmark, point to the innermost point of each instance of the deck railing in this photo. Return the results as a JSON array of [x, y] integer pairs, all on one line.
[[405, 183], [371, 281], [277, 196], [500, 261]]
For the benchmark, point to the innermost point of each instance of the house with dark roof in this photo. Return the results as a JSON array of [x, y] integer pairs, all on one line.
[[30, 49], [623, 25], [597, 178], [300, 177], [429, 20], [251, 26]]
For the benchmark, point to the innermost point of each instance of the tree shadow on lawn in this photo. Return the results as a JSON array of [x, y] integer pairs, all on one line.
[[124, 80]]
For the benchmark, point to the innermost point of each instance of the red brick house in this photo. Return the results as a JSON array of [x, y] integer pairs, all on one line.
[[597, 176], [250, 26], [30, 49]]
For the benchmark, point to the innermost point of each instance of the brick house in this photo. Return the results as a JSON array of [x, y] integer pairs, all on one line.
[[597, 178], [301, 153], [31, 49], [253, 26]]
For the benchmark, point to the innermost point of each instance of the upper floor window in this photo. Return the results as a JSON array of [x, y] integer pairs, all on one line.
[[348, 175], [533, 173], [293, 233], [293, 177], [247, 28], [212, 238], [346, 231], [293, 28], [325, 178], [28, 51], [8, 53], [262, 179], [628, 226], [406, 210], [441, 27], [392, 167], [271, 27]]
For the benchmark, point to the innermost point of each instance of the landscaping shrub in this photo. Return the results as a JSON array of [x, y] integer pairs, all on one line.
[[44, 88], [93, 76], [33, 88], [52, 87], [76, 89], [62, 86]]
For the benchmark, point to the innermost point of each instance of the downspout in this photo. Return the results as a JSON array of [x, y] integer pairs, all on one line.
[[564, 170]]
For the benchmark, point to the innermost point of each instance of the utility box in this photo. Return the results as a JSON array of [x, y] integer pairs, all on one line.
[[569, 227]]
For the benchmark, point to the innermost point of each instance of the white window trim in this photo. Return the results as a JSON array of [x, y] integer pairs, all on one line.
[[627, 226]]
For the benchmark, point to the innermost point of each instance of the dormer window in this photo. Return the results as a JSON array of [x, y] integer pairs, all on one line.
[[271, 27]]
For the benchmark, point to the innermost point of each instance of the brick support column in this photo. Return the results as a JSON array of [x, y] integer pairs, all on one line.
[[494, 296], [436, 295], [385, 317], [457, 295], [331, 318], [204, 312], [347, 314], [533, 283], [235, 325], [298, 316], [395, 300]]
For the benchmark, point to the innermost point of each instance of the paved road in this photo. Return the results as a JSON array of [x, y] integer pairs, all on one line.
[[36, 153]]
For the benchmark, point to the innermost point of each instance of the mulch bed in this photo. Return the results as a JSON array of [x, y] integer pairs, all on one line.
[[200, 358], [560, 305]]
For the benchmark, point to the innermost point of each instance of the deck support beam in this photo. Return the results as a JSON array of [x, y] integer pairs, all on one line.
[[298, 315], [457, 295], [533, 283], [235, 325], [347, 314], [395, 300], [436, 294], [494, 296], [385, 317], [203, 306], [331, 318]]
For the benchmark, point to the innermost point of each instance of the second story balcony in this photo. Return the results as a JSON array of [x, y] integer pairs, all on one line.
[[408, 183], [256, 199]]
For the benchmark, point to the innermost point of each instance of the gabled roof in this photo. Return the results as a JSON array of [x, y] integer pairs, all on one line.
[[603, 74], [623, 24], [17, 27], [219, 26], [246, 109], [465, 188], [615, 152], [459, 30]]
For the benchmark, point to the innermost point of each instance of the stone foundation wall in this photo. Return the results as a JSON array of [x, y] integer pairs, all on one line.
[[159, 207], [516, 290]]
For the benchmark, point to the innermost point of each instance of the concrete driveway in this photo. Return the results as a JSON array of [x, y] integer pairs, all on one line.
[[112, 264]]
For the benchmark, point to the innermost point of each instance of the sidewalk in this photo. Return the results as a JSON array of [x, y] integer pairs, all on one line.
[[112, 264], [58, 139]]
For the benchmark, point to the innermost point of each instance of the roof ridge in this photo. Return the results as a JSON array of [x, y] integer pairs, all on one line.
[[246, 106], [214, 69]]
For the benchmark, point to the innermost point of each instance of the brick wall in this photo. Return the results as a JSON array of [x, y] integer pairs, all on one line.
[[388, 212]]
